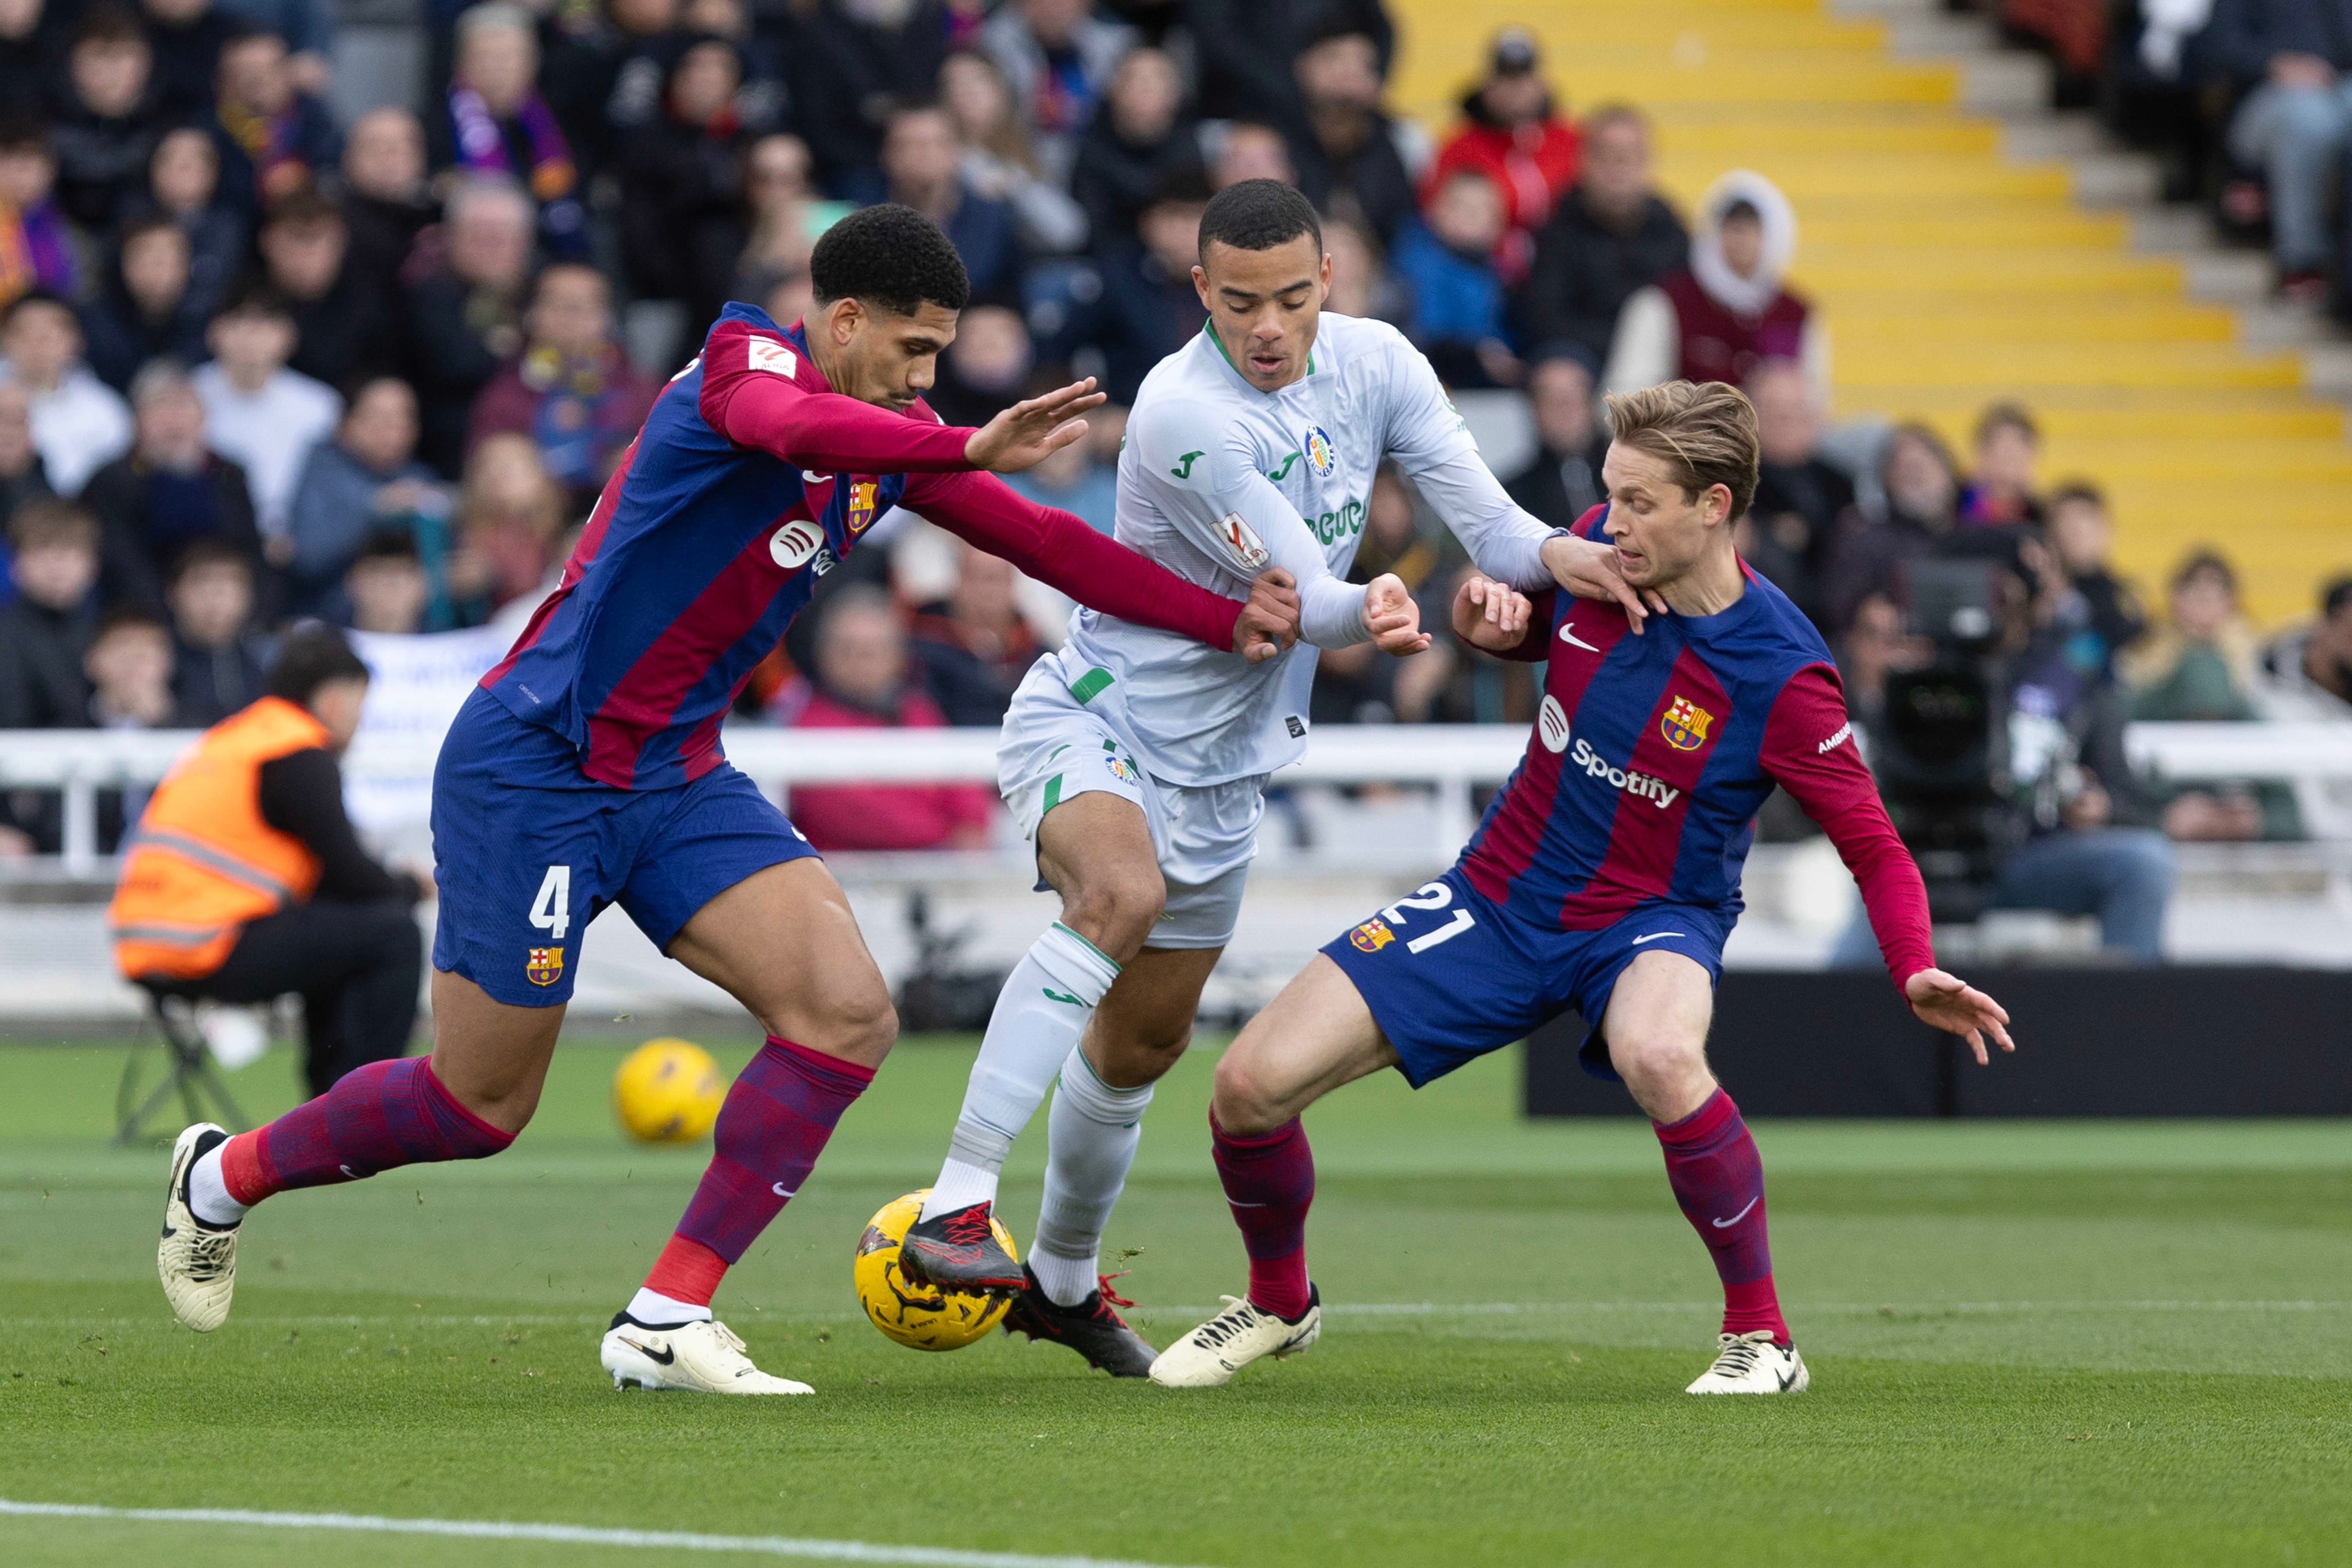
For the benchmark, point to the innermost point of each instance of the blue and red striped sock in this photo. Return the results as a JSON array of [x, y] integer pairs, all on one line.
[[1269, 1183], [780, 1111], [377, 1116], [1718, 1180]]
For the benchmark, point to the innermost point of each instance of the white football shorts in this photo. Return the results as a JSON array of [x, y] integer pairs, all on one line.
[[1054, 749]]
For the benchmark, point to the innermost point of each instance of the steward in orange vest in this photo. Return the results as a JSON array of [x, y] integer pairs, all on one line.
[[244, 880]]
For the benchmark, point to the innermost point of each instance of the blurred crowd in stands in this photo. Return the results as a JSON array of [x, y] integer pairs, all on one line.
[[257, 365], [2249, 102]]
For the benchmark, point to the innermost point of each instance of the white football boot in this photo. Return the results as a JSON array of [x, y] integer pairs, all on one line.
[[1753, 1363], [700, 1357], [196, 1262], [1210, 1355]]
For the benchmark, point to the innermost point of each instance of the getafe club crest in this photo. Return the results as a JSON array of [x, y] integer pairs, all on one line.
[[1320, 457], [544, 966], [861, 504], [1373, 935], [1684, 725], [1123, 770]]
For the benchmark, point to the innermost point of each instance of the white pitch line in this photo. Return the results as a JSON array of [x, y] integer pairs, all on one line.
[[572, 1535]]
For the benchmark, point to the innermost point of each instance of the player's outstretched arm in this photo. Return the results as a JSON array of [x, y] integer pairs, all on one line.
[[771, 403], [1063, 551], [1588, 569], [1490, 614], [1027, 433]]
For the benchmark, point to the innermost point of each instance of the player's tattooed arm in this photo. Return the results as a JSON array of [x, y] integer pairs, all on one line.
[[1588, 569], [1490, 614]]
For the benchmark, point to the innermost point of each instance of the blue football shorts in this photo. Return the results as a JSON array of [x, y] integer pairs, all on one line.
[[1450, 975], [523, 867]]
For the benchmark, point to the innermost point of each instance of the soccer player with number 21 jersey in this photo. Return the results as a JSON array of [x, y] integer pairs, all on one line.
[[1604, 879]]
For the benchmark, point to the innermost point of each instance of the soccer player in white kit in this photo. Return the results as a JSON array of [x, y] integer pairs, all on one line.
[[1138, 762]]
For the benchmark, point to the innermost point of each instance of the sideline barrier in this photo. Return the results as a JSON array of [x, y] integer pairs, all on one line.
[[2181, 1041], [1452, 759]]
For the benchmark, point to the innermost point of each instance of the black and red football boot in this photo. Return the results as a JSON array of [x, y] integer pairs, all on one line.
[[958, 1251], [1093, 1328]]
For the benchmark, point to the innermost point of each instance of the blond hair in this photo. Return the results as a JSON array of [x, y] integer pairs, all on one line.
[[1703, 432]]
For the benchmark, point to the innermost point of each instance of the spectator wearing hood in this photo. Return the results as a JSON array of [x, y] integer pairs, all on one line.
[[1513, 134], [274, 138], [36, 245], [1139, 136], [853, 62], [1353, 161], [145, 310], [494, 122], [682, 210], [571, 390], [105, 120], [1612, 236], [1058, 56], [1723, 314]]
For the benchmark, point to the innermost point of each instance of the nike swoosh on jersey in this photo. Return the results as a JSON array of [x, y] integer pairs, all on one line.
[[1568, 635], [1735, 1219], [1655, 936]]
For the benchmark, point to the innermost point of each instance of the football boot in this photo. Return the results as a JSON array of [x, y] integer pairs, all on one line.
[[1093, 1328], [958, 1251], [700, 1357], [196, 1262], [1753, 1363], [1210, 1355]]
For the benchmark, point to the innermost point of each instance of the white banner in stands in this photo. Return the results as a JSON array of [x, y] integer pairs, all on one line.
[[419, 683]]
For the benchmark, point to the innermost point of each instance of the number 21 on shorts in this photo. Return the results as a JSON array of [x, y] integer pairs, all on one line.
[[1431, 896], [551, 910]]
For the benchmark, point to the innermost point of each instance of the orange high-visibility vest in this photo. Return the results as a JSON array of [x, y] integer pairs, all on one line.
[[203, 862]]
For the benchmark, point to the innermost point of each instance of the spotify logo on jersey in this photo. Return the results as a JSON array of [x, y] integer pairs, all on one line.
[[1551, 723], [793, 544]]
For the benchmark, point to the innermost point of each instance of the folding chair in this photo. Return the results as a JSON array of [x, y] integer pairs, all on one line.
[[190, 1074]]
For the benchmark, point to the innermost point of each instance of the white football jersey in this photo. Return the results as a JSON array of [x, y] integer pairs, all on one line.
[[1218, 482]]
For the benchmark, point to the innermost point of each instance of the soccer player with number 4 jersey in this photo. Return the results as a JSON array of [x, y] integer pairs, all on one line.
[[1604, 879]]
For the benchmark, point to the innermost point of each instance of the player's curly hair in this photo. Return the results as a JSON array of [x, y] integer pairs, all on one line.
[[1258, 215], [1705, 432], [890, 256]]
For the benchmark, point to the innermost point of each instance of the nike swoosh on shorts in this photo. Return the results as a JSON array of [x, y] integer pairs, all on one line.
[[1655, 936]]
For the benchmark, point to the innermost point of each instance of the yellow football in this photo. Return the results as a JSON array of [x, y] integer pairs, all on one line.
[[917, 1315], [668, 1091]]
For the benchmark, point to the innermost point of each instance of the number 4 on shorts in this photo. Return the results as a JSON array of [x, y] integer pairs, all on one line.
[[551, 910]]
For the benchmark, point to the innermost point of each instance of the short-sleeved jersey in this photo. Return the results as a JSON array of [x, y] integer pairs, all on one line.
[[697, 557], [1214, 479], [1651, 754]]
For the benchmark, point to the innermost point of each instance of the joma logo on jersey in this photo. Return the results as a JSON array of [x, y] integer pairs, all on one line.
[[543, 966], [1242, 541], [861, 496], [1320, 457], [1373, 935], [1684, 725], [1640, 786]]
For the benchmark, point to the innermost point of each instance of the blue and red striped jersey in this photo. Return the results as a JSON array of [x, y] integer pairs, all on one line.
[[750, 480], [1652, 753]]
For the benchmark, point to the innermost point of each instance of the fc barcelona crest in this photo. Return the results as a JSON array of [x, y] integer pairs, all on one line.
[[1373, 935], [861, 504], [544, 966], [1684, 725]]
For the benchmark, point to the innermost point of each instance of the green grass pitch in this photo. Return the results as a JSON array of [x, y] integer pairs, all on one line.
[[2062, 1344]]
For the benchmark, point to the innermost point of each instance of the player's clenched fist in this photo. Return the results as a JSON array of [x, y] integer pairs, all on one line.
[[1490, 614], [1392, 617], [1268, 623]]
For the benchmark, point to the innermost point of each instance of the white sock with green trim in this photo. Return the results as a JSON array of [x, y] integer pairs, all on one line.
[[1040, 1015], [1092, 1132]]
